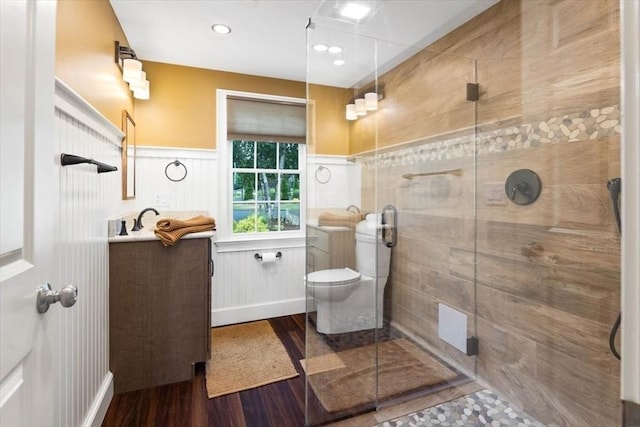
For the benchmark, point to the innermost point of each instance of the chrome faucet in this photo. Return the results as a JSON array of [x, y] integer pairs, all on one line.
[[138, 223], [354, 207]]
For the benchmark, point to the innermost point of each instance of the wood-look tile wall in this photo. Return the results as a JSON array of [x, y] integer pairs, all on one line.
[[540, 283]]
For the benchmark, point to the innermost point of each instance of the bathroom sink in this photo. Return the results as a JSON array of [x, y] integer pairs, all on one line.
[[146, 233]]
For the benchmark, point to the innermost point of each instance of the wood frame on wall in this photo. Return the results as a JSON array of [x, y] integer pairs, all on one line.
[[128, 157]]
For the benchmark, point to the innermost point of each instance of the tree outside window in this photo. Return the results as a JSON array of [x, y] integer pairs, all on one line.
[[266, 186]]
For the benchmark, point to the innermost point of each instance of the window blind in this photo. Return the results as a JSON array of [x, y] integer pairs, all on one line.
[[262, 120]]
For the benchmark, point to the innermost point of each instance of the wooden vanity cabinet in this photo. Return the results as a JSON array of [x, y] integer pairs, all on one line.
[[159, 311], [330, 247]]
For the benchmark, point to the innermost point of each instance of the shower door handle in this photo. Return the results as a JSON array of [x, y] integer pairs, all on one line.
[[390, 226]]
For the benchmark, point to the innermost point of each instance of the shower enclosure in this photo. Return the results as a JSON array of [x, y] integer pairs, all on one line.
[[493, 138]]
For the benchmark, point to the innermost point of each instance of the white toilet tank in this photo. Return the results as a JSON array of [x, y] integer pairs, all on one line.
[[368, 236]]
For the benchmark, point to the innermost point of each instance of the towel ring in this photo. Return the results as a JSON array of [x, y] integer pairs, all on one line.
[[176, 163], [323, 174]]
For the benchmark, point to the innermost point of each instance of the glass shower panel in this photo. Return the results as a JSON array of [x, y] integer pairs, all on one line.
[[373, 338], [548, 269], [341, 358], [424, 166]]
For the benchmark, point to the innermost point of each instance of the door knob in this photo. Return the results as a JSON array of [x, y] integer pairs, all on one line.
[[46, 296]]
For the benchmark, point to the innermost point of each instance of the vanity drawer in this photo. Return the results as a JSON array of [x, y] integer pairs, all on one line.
[[317, 260], [330, 247], [318, 238]]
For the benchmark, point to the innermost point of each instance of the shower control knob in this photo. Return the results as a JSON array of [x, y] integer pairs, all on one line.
[[523, 186], [67, 297]]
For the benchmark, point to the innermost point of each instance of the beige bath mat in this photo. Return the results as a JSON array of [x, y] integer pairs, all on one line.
[[246, 356], [317, 364], [402, 368]]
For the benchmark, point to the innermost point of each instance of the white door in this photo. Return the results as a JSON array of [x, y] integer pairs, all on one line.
[[28, 214]]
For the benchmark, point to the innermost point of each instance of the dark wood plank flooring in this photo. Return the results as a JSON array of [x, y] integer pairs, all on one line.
[[280, 404], [186, 403]]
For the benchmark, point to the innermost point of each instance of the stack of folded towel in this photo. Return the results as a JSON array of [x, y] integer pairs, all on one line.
[[170, 230], [338, 220]]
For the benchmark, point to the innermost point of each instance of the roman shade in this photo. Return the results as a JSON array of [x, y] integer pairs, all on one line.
[[265, 120]]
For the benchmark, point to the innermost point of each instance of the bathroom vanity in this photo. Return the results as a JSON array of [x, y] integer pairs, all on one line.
[[330, 247], [159, 309]]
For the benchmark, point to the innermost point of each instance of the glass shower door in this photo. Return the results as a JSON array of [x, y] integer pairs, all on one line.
[[424, 166], [410, 164]]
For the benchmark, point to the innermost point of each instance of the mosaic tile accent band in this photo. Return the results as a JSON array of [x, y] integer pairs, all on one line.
[[483, 408], [581, 126]]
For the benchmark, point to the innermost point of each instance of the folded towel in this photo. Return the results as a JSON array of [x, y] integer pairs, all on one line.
[[337, 220], [169, 231], [170, 224]]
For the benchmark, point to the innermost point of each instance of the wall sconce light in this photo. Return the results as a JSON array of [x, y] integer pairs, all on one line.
[[351, 112], [132, 72], [371, 101], [359, 107]]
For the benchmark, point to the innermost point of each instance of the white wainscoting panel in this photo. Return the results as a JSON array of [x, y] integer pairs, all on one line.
[[87, 199], [245, 289], [341, 190], [198, 191]]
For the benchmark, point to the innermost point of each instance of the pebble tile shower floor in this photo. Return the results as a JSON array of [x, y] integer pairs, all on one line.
[[483, 408]]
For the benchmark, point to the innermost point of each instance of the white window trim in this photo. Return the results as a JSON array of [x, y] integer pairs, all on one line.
[[225, 223]]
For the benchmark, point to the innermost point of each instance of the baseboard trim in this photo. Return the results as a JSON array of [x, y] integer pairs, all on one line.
[[98, 409], [630, 414], [250, 312]]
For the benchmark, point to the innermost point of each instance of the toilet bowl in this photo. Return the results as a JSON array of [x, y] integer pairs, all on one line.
[[333, 285], [348, 300]]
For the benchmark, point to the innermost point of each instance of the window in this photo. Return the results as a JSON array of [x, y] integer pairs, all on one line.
[[266, 186], [261, 168]]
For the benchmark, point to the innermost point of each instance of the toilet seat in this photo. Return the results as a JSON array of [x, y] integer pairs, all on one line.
[[334, 276]]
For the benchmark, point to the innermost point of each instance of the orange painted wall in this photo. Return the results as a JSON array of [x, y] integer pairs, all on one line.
[[85, 36], [329, 132], [181, 111]]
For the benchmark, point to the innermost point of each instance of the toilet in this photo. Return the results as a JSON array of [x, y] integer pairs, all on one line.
[[347, 300]]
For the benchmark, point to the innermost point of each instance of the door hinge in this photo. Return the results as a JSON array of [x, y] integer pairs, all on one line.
[[473, 91], [472, 346]]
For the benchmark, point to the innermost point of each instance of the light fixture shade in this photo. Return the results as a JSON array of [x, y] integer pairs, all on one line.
[[139, 82], [142, 92], [354, 11], [361, 109], [351, 112], [371, 101], [131, 69], [221, 28]]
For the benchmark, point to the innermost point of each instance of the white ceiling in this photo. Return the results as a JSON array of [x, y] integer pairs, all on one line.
[[269, 38]]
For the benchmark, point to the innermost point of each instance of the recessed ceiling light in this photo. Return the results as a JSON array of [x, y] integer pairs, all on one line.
[[339, 62], [320, 47], [335, 49], [355, 11], [221, 28]]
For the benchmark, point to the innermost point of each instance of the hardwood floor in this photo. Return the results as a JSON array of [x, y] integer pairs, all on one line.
[[281, 404], [186, 403]]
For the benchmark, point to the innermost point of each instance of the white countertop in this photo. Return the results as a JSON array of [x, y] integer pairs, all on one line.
[[146, 234]]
